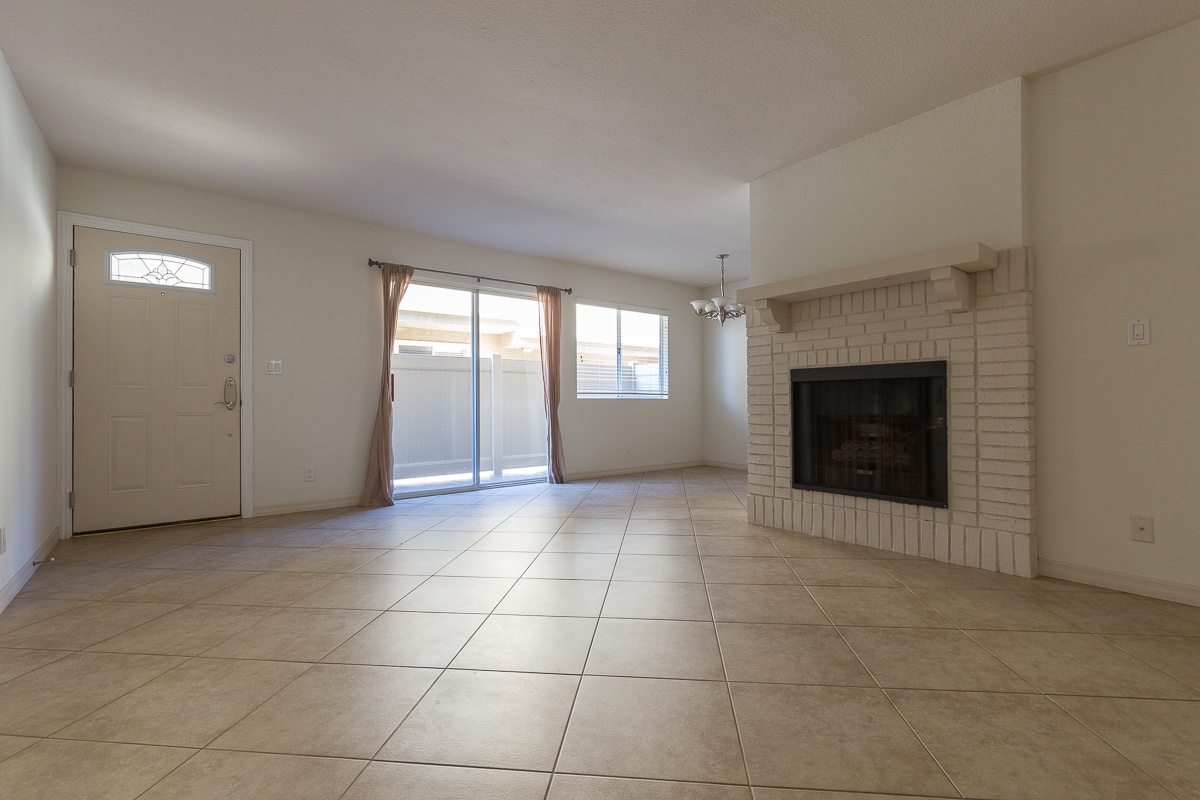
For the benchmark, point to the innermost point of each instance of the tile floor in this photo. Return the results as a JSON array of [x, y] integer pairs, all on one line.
[[626, 638]]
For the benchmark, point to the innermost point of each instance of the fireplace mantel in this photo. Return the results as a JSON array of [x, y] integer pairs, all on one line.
[[948, 268]]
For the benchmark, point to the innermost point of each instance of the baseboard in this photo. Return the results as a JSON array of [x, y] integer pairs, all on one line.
[[725, 465], [306, 505], [1121, 581], [18, 581], [606, 473]]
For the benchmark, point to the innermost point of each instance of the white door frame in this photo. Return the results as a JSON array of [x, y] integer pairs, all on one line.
[[66, 337]]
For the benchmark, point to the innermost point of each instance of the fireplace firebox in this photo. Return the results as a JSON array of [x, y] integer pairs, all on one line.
[[872, 431]]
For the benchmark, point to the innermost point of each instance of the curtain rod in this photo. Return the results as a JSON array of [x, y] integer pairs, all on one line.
[[373, 263]]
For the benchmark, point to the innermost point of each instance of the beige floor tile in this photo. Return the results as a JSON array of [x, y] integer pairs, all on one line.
[[840, 572], [363, 591], [187, 631], [669, 569], [11, 745], [556, 598], [588, 787], [587, 510], [651, 600], [84, 626], [456, 595], [655, 513], [1029, 748], [559, 511], [660, 527], [305, 537], [339, 710], [1190, 613], [184, 587], [190, 556], [50, 574], [529, 644], [708, 527], [669, 729], [931, 658], [189, 706], [513, 541], [257, 558], [831, 737], [792, 605], [387, 781], [659, 545], [410, 523], [1080, 663], [408, 562], [54, 770], [262, 776], [926, 574], [804, 794], [1178, 656], [529, 525], [443, 539], [22, 612], [373, 539], [45, 700], [1160, 736], [271, 589], [718, 514], [798, 545], [747, 569], [810, 654], [408, 639], [1111, 612], [576, 566], [601, 525], [331, 559], [468, 524], [485, 564], [650, 648], [99, 585], [15, 663], [759, 546], [585, 543], [895, 608], [992, 609], [511, 720], [295, 634]]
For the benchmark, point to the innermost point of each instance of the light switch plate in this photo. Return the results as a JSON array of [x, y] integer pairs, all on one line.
[[274, 367], [1141, 529], [1139, 331], [3, 541]]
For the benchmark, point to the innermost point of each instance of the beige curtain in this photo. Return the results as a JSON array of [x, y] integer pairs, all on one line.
[[378, 489], [550, 303]]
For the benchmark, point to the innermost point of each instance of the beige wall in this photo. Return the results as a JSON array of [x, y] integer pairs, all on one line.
[[28, 412], [1115, 202], [726, 429], [317, 307], [949, 176]]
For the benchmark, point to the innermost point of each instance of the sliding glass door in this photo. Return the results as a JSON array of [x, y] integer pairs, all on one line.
[[467, 401]]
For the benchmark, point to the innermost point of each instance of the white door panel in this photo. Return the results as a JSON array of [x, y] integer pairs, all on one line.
[[153, 441]]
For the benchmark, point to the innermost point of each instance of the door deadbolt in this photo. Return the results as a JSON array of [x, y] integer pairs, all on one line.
[[230, 359]]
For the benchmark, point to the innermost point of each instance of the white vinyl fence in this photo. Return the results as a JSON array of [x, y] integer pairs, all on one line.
[[431, 415]]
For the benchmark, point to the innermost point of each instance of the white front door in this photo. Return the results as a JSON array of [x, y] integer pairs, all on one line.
[[156, 417]]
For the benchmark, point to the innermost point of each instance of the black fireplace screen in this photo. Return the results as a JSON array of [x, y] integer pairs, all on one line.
[[872, 431]]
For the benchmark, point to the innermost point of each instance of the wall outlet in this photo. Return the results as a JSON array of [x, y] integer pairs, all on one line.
[[1138, 332], [628, 448], [3, 541], [1141, 529], [310, 473]]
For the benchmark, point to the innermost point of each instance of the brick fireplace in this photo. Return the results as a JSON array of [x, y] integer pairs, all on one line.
[[970, 307]]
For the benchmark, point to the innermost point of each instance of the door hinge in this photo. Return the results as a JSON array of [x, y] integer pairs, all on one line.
[[70, 499], [71, 378], [72, 256]]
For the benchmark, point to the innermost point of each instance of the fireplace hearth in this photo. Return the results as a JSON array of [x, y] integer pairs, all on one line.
[[872, 431]]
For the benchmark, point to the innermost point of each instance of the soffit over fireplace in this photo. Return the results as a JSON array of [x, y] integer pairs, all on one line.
[[947, 268]]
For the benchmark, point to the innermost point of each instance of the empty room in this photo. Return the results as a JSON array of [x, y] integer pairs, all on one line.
[[599, 401]]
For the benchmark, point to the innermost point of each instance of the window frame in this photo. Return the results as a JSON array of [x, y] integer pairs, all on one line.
[[663, 352]]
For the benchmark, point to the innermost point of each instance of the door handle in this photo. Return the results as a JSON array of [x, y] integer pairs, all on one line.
[[231, 394]]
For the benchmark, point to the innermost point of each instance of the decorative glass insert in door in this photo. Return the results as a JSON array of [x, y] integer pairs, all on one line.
[[158, 269]]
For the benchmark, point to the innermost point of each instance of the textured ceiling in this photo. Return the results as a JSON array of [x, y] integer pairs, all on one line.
[[621, 133]]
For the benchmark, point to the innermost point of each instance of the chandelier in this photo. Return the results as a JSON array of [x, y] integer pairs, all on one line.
[[719, 308]]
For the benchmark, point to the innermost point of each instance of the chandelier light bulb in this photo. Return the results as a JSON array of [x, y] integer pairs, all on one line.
[[719, 308]]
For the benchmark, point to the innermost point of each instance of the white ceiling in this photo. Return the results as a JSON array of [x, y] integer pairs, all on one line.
[[620, 133]]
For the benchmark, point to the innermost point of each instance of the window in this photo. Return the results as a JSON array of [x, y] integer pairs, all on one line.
[[159, 269], [620, 353]]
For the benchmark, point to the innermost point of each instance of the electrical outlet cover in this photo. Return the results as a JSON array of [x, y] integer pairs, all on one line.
[[1141, 529]]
